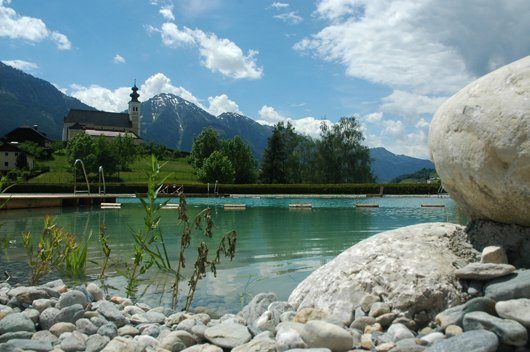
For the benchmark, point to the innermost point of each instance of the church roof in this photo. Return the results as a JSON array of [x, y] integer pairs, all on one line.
[[99, 118]]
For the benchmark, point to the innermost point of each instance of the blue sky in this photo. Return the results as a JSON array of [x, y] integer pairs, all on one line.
[[389, 62]]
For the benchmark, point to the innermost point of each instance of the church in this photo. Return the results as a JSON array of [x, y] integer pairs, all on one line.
[[105, 124]]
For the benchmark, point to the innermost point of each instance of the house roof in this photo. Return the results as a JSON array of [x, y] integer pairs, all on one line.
[[27, 133], [5, 146], [98, 118]]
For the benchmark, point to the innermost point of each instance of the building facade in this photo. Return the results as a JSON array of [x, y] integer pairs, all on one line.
[[105, 124]]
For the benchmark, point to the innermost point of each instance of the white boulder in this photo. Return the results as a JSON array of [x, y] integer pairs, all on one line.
[[479, 140], [410, 268]]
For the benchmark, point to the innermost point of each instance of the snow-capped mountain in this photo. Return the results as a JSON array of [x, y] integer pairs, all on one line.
[[175, 122]]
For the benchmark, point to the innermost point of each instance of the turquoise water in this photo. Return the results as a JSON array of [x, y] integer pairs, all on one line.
[[277, 246]]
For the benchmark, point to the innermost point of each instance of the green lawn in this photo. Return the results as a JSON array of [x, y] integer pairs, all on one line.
[[179, 170]]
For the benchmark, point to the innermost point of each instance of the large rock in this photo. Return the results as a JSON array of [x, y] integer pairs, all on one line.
[[515, 309], [480, 144], [411, 268], [320, 334], [509, 287], [227, 335], [509, 331], [471, 341]]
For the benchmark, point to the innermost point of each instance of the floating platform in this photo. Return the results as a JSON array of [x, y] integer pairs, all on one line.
[[300, 205], [235, 206], [171, 206], [366, 205], [110, 205], [433, 205]]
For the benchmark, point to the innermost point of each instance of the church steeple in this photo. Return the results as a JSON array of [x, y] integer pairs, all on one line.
[[134, 109]]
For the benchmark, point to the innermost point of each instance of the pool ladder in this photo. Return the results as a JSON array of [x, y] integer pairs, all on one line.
[[76, 191], [101, 177]]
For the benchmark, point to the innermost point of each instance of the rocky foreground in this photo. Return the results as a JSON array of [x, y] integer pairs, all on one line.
[[53, 318]]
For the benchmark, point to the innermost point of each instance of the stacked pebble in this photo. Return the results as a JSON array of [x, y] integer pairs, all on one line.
[[52, 318]]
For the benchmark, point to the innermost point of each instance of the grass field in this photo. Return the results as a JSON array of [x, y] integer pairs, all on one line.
[[179, 170]]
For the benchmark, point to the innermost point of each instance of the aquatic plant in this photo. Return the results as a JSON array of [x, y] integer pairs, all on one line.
[[105, 246], [75, 257]]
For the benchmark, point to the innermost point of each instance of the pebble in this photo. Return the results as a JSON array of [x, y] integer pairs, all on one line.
[[26, 345], [44, 335], [26, 295], [317, 333], [494, 254], [72, 341], [86, 326], [119, 344], [453, 330], [484, 271], [15, 335], [509, 332], [96, 343], [70, 314], [431, 338], [515, 309], [378, 309], [108, 330], [111, 312], [469, 341], [128, 330], [227, 335], [399, 332], [510, 287], [59, 328], [94, 291], [70, 298], [16, 322], [362, 322]]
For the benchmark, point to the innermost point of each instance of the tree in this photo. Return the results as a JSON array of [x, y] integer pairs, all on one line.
[[83, 147], [240, 156], [32, 148], [217, 167], [126, 152], [274, 161], [21, 162], [106, 156], [203, 146], [341, 158]]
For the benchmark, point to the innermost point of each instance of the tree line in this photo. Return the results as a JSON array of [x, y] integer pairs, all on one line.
[[337, 156]]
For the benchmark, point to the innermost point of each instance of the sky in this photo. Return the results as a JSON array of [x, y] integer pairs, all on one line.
[[390, 63]]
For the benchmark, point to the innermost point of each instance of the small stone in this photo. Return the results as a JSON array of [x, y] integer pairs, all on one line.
[[128, 330], [154, 317], [362, 322], [70, 314], [431, 338], [72, 341], [33, 314], [306, 314], [41, 304], [469, 341], [258, 344], [133, 310], [94, 291], [453, 330], [510, 287], [410, 345], [367, 301], [47, 317], [26, 345], [319, 333], [484, 271], [386, 319], [86, 326], [366, 341], [288, 337], [255, 308], [59, 328], [111, 312], [475, 288], [146, 342], [515, 309], [16, 335], [399, 332], [119, 344], [454, 315], [177, 340], [384, 347], [70, 298], [494, 254], [26, 295], [369, 329], [45, 336], [203, 348], [96, 343], [176, 318], [227, 335], [409, 323], [108, 330], [379, 308], [16, 322], [509, 332]]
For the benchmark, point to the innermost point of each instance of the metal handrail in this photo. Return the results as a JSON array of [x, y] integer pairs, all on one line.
[[101, 176], [75, 177]]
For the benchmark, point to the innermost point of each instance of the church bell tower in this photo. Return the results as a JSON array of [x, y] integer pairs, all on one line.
[[134, 110]]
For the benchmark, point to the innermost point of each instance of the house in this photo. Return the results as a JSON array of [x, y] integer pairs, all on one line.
[[105, 124], [9, 153], [29, 134]]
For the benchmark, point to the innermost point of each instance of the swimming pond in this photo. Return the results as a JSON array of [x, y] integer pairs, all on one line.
[[277, 246]]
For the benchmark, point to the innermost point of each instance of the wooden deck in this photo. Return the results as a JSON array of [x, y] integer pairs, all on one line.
[[49, 200]]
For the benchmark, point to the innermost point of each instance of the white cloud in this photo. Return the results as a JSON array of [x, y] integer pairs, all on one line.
[[220, 104], [279, 5], [306, 125], [31, 29], [116, 100], [373, 117], [167, 12], [423, 51], [193, 8], [410, 105], [61, 41], [21, 64], [218, 54], [118, 59], [290, 17]]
